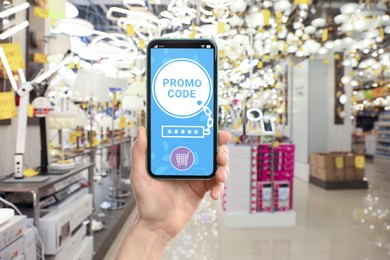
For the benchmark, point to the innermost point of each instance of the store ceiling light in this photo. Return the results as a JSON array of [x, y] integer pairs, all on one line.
[[319, 22], [71, 11], [349, 8], [341, 18], [282, 6], [13, 10], [4, 35], [75, 27], [238, 6]]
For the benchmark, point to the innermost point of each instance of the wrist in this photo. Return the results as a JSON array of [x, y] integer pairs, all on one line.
[[158, 235], [143, 241]]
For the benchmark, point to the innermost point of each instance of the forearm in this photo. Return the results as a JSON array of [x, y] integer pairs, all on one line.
[[143, 242]]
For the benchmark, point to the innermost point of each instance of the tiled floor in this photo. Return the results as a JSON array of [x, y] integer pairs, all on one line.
[[331, 225], [348, 224]]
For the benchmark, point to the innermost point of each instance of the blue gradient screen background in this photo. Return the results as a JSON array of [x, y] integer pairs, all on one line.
[[161, 148]]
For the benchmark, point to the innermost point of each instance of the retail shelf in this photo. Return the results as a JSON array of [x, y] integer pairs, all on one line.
[[383, 132], [382, 156], [263, 219], [384, 140], [87, 151], [382, 159], [339, 185], [383, 123], [383, 148]]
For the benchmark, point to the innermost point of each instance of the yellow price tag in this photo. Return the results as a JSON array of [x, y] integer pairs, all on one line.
[[41, 12], [78, 133], [142, 44], [339, 160], [221, 27], [279, 28], [193, 31], [40, 58], [324, 35], [131, 124], [260, 65], [14, 55], [29, 172], [7, 105], [278, 16], [326, 61], [72, 138], [337, 56], [276, 144], [360, 162], [30, 110], [130, 30], [301, 2], [382, 33], [266, 15], [266, 58], [122, 122]]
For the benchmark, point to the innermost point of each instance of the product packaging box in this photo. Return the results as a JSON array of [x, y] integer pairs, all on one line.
[[30, 245], [11, 230], [359, 174], [14, 250], [71, 246], [323, 160], [349, 174], [327, 174], [57, 226], [264, 199], [349, 158], [283, 195]]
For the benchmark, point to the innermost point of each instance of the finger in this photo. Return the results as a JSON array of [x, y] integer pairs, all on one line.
[[139, 152], [223, 156], [222, 174], [217, 191], [223, 137]]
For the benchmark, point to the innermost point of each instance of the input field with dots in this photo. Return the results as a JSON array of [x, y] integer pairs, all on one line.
[[182, 131]]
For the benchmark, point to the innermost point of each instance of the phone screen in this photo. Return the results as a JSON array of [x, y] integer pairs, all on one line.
[[181, 108]]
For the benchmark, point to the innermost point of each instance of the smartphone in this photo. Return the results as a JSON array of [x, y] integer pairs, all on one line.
[[182, 84]]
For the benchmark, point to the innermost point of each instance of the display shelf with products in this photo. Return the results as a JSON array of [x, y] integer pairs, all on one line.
[[382, 153], [260, 187], [49, 183]]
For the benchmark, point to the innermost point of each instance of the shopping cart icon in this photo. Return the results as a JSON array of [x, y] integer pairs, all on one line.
[[182, 158]]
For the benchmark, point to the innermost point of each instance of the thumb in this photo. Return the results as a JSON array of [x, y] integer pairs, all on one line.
[[139, 152]]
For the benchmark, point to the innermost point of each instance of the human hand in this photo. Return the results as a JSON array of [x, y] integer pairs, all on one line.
[[167, 205]]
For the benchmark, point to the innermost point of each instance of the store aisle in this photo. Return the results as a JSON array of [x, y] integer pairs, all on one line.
[[350, 224]]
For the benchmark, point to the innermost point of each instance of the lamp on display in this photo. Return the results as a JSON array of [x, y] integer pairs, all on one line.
[[62, 120], [24, 92], [93, 85]]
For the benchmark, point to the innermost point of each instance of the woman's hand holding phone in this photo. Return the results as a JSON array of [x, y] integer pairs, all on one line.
[[165, 207]]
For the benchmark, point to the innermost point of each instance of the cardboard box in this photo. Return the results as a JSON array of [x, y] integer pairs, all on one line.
[[349, 158], [322, 160], [349, 174], [327, 174], [359, 174], [12, 229]]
